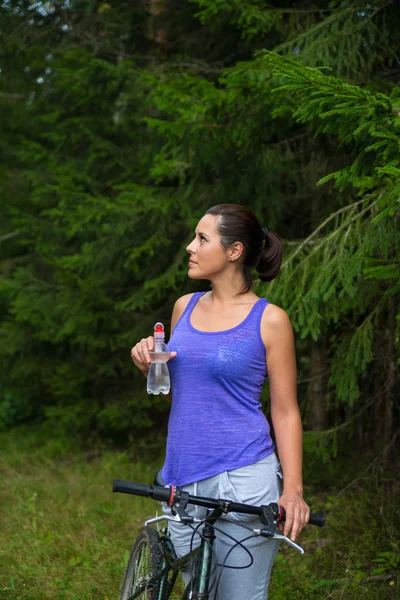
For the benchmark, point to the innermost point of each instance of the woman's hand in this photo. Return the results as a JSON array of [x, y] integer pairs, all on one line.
[[297, 513], [140, 354]]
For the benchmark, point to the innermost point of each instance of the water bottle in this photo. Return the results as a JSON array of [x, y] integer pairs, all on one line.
[[158, 377]]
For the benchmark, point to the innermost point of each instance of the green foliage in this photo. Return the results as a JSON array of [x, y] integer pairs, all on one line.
[[347, 36], [65, 535], [114, 143], [366, 232]]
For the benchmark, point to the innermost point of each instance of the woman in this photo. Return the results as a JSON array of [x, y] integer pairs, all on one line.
[[224, 342]]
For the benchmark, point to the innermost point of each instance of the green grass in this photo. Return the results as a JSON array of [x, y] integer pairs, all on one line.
[[64, 535]]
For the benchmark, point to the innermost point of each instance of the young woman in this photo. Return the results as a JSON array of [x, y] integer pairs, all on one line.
[[224, 343]]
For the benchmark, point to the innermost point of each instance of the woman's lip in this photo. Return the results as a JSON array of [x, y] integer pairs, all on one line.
[[191, 262]]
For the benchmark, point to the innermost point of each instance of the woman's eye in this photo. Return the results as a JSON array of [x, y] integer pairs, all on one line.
[[203, 238]]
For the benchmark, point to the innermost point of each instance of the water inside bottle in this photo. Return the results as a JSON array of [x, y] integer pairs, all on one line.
[[164, 382], [159, 357], [158, 380], [158, 377]]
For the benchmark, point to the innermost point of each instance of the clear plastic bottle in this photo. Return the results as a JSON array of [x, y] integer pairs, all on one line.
[[158, 378]]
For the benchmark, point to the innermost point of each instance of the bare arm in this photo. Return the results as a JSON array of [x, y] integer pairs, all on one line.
[[278, 338]]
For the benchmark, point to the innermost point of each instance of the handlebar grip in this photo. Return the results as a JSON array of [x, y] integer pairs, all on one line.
[[317, 519], [139, 489], [128, 487]]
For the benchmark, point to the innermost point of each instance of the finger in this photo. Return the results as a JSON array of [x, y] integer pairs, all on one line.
[[137, 360], [135, 355], [297, 518], [144, 356], [172, 355], [132, 352], [307, 518], [145, 350], [138, 352], [289, 519]]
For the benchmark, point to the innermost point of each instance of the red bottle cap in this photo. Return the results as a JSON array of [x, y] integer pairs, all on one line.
[[158, 328]]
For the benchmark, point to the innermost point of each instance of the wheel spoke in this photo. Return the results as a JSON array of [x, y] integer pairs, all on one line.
[[144, 563], [143, 571]]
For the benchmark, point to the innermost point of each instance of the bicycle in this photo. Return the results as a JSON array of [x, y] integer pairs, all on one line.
[[153, 566]]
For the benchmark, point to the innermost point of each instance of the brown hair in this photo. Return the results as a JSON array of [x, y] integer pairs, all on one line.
[[237, 223]]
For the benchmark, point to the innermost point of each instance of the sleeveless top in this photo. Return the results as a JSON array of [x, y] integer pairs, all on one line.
[[216, 422]]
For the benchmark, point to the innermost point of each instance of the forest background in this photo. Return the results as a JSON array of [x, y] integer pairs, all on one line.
[[121, 123]]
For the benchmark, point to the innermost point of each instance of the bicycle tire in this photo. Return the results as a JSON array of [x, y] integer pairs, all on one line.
[[144, 562]]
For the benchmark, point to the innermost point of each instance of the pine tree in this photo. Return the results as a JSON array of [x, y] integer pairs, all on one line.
[[122, 139]]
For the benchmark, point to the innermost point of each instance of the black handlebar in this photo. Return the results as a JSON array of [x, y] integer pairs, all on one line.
[[317, 519], [164, 494], [139, 489]]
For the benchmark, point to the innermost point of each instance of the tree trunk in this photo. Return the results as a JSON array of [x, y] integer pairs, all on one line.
[[317, 418], [157, 33], [390, 380]]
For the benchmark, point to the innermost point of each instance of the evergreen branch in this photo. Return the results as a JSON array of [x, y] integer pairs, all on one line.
[[396, 435], [325, 240], [355, 115], [322, 225], [312, 31], [289, 11], [7, 236], [280, 11], [350, 420], [95, 44], [11, 96], [294, 243], [337, 17], [314, 378], [294, 138], [355, 351], [10, 262]]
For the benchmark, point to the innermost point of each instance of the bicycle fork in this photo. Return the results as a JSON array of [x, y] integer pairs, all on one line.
[[203, 568], [202, 578]]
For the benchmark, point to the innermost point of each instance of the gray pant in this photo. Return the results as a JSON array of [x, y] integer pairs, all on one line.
[[255, 484]]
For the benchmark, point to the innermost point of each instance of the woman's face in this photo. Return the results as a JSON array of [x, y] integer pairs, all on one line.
[[207, 257]]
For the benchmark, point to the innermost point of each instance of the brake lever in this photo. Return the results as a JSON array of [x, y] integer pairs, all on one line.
[[176, 519], [179, 505], [284, 538], [271, 533], [160, 518]]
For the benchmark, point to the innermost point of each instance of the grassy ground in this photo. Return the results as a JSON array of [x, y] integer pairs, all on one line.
[[64, 535]]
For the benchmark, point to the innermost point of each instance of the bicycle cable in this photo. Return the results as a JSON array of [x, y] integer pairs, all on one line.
[[224, 566], [238, 543]]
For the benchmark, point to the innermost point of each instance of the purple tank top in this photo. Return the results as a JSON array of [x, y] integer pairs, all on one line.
[[216, 422]]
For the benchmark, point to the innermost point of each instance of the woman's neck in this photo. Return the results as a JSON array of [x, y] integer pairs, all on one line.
[[226, 291]]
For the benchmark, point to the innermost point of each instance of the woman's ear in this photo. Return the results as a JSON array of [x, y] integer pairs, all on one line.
[[236, 251]]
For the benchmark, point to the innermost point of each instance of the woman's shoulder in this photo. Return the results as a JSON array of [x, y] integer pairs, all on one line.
[[179, 309], [274, 315], [274, 322], [183, 301]]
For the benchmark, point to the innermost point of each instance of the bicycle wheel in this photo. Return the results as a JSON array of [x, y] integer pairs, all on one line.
[[144, 562]]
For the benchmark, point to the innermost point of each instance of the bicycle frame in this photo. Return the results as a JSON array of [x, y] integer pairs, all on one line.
[[269, 515], [202, 573]]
